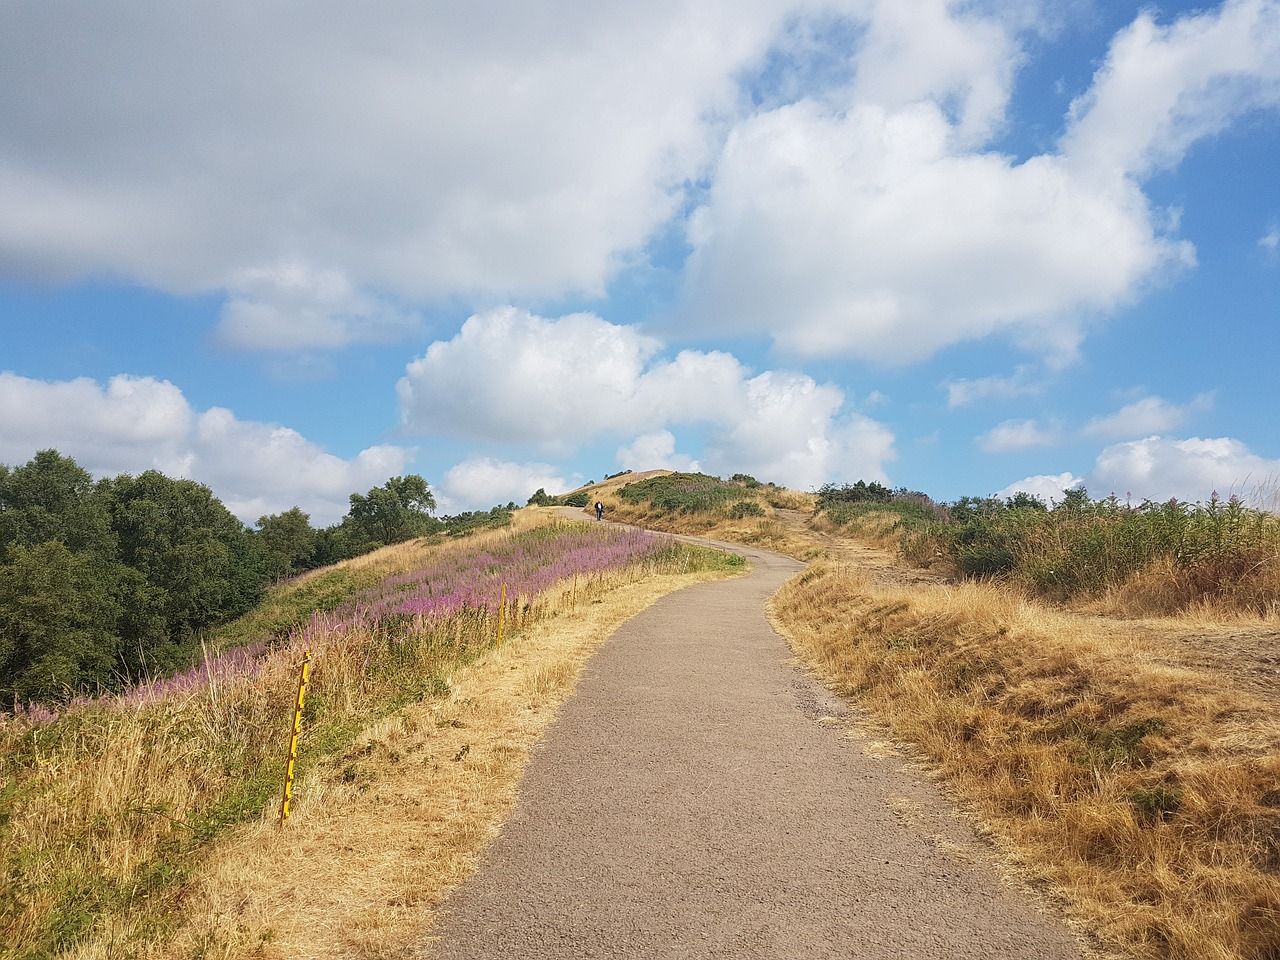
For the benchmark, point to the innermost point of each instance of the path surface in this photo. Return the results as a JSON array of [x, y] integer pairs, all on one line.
[[695, 798]]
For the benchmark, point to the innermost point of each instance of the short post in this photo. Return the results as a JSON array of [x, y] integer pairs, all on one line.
[[502, 609], [293, 739]]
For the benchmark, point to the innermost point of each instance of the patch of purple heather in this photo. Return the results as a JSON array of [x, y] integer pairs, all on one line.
[[473, 580], [457, 581]]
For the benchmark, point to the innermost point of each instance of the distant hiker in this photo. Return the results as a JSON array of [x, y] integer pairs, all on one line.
[[599, 510]]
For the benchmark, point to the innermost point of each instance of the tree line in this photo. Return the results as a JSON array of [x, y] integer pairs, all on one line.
[[105, 582]]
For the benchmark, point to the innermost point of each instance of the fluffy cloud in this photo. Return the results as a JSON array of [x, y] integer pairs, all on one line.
[[1157, 468], [656, 451], [512, 377], [424, 151], [481, 482], [134, 424], [1048, 487], [1017, 435], [555, 384], [1150, 415], [1162, 88], [293, 306], [881, 227]]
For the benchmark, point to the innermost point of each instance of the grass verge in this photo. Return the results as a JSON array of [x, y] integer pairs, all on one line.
[[1147, 796], [109, 810]]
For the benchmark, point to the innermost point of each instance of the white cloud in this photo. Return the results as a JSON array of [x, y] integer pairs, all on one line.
[[934, 50], [963, 393], [1150, 415], [885, 227], [482, 482], [1162, 88], [555, 384], [1017, 435], [1048, 487], [420, 151], [134, 424], [513, 377], [656, 451], [1157, 468], [294, 306], [1270, 241], [869, 234]]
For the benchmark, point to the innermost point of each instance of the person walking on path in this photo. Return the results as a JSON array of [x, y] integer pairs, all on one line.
[[599, 510]]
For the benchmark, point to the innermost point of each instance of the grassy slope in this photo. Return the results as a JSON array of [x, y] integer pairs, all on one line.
[[114, 814]]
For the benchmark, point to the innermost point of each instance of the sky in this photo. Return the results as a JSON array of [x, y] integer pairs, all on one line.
[[291, 250]]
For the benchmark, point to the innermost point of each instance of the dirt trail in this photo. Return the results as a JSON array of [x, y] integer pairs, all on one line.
[[699, 796]]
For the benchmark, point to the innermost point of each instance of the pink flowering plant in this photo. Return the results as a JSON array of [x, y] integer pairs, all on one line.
[[104, 801]]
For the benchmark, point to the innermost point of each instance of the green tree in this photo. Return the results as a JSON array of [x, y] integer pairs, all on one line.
[[200, 563], [59, 612], [541, 498], [288, 542], [399, 510], [53, 499]]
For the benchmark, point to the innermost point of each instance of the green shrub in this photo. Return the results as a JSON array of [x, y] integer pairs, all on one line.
[[682, 493], [746, 508], [579, 499]]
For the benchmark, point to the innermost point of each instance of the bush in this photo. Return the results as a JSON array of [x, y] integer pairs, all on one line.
[[746, 508], [682, 493], [579, 499], [861, 492], [541, 498]]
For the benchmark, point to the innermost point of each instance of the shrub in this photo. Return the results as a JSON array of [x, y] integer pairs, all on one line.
[[541, 498], [746, 508], [682, 493], [578, 499]]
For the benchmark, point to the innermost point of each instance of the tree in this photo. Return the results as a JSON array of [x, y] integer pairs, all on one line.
[[1025, 501], [288, 542], [59, 612], [399, 510], [53, 499], [200, 562]]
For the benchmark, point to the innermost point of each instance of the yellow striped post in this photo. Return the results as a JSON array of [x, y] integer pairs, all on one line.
[[293, 739]]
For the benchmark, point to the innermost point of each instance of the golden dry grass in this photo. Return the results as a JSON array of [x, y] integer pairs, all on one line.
[[381, 834], [1144, 793], [106, 841]]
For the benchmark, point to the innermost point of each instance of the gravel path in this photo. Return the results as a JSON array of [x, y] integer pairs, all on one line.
[[699, 796]]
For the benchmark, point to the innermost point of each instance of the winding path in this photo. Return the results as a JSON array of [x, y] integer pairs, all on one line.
[[699, 796]]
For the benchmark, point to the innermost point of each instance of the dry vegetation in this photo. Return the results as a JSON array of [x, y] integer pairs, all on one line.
[[1121, 742], [778, 525], [145, 825], [1130, 765]]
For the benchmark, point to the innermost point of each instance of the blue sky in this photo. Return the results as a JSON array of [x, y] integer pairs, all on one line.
[[964, 248]]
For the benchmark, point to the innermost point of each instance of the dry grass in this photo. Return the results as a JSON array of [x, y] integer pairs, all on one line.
[[114, 815], [380, 835], [1147, 795]]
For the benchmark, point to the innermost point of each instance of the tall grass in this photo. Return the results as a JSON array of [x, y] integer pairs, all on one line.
[[1154, 558], [1148, 796], [106, 805]]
